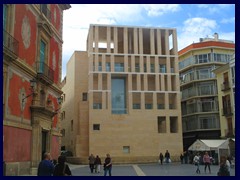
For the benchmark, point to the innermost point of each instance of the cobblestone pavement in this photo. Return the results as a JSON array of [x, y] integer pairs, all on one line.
[[173, 169]]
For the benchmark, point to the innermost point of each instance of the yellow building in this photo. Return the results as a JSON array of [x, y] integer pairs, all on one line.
[[122, 95], [226, 97], [199, 103]]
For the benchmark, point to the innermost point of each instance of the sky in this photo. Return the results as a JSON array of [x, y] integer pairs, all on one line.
[[192, 21]]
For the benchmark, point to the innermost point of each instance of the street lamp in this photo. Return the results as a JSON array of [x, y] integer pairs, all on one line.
[[33, 84]]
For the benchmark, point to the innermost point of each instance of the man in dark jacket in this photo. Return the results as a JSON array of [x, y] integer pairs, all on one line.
[[45, 167]]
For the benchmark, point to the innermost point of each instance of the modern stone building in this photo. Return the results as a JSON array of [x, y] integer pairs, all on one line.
[[200, 111], [122, 96], [32, 57]]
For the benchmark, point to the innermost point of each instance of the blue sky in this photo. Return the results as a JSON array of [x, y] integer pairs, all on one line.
[[192, 21]]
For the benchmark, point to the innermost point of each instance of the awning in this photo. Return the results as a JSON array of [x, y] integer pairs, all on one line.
[[208, 145]]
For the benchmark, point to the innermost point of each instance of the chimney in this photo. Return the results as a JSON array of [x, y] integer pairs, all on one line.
[[215, 36]]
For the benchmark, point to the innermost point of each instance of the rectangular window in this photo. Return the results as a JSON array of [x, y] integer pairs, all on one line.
[[137, 68], [71, 125], [108, 66], [5, 12], [152, 68], [84, 96], [42, 56], [126, 149], [63, 115], [173, 125], [160, 106], [136, 106], [148, 106], [162, 68], [99, 66], [161, 124], [119, 96], [97, 105], [96, 127], [63, 132], [119, 67]]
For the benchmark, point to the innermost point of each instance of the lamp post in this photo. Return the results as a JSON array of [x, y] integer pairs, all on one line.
[[33, 84]]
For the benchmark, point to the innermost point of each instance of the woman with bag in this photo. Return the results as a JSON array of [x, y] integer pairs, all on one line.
[[62, 169]]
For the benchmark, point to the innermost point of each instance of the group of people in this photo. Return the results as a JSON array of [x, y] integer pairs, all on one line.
[[48, 167], [224, 167], [165, 158], [95, 163]]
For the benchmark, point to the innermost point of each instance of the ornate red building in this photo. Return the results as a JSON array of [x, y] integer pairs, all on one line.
[[32, 58]]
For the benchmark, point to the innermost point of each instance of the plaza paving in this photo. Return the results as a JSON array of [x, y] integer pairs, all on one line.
[[173, 169]]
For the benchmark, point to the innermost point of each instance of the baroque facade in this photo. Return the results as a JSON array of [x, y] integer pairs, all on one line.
[[32, 57]]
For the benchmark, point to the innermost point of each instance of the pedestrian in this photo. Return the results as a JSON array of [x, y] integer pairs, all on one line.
[[161, 158], [185, 155], [62, 169], [108, 165], [97, 164], [207, 162], [167, 156], [181, 158], [91, 162], [45, 167], [223, 169], [196, 161]]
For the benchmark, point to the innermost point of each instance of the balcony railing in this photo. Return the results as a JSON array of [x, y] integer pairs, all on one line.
[[10, 43], [46, 12], [227, 111], [45, 72], [225, 86]]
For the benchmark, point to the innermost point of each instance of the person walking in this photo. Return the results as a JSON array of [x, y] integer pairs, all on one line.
[[196, 161], [108, 165], [45, 167], [62, 169], [97, 164], [161, 158], [91, 162], [167, 156], [207, 162], [223, 168], [181, 158]]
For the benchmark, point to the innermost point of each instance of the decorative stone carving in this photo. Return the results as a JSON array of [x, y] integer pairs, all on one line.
[[26, 32]]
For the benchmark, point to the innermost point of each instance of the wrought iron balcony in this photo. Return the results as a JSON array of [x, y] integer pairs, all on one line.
[[44, 72], [10, 45]]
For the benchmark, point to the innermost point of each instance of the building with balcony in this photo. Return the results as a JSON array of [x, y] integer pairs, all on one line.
[[32, 57], [199, 103], [226, 97], [122, 95]]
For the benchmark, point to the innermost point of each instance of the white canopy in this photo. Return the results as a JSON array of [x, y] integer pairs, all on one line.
[[208, 145]]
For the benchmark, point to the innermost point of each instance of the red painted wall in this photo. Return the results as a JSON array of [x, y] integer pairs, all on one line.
[[16, 144], [15, 97], [55, 147], [29, 54], [54, 47], [56, 23]]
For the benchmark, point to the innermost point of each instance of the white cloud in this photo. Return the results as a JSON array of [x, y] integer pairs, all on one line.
[[193, 29], [160, 9], [229, 20], [215, 8]]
